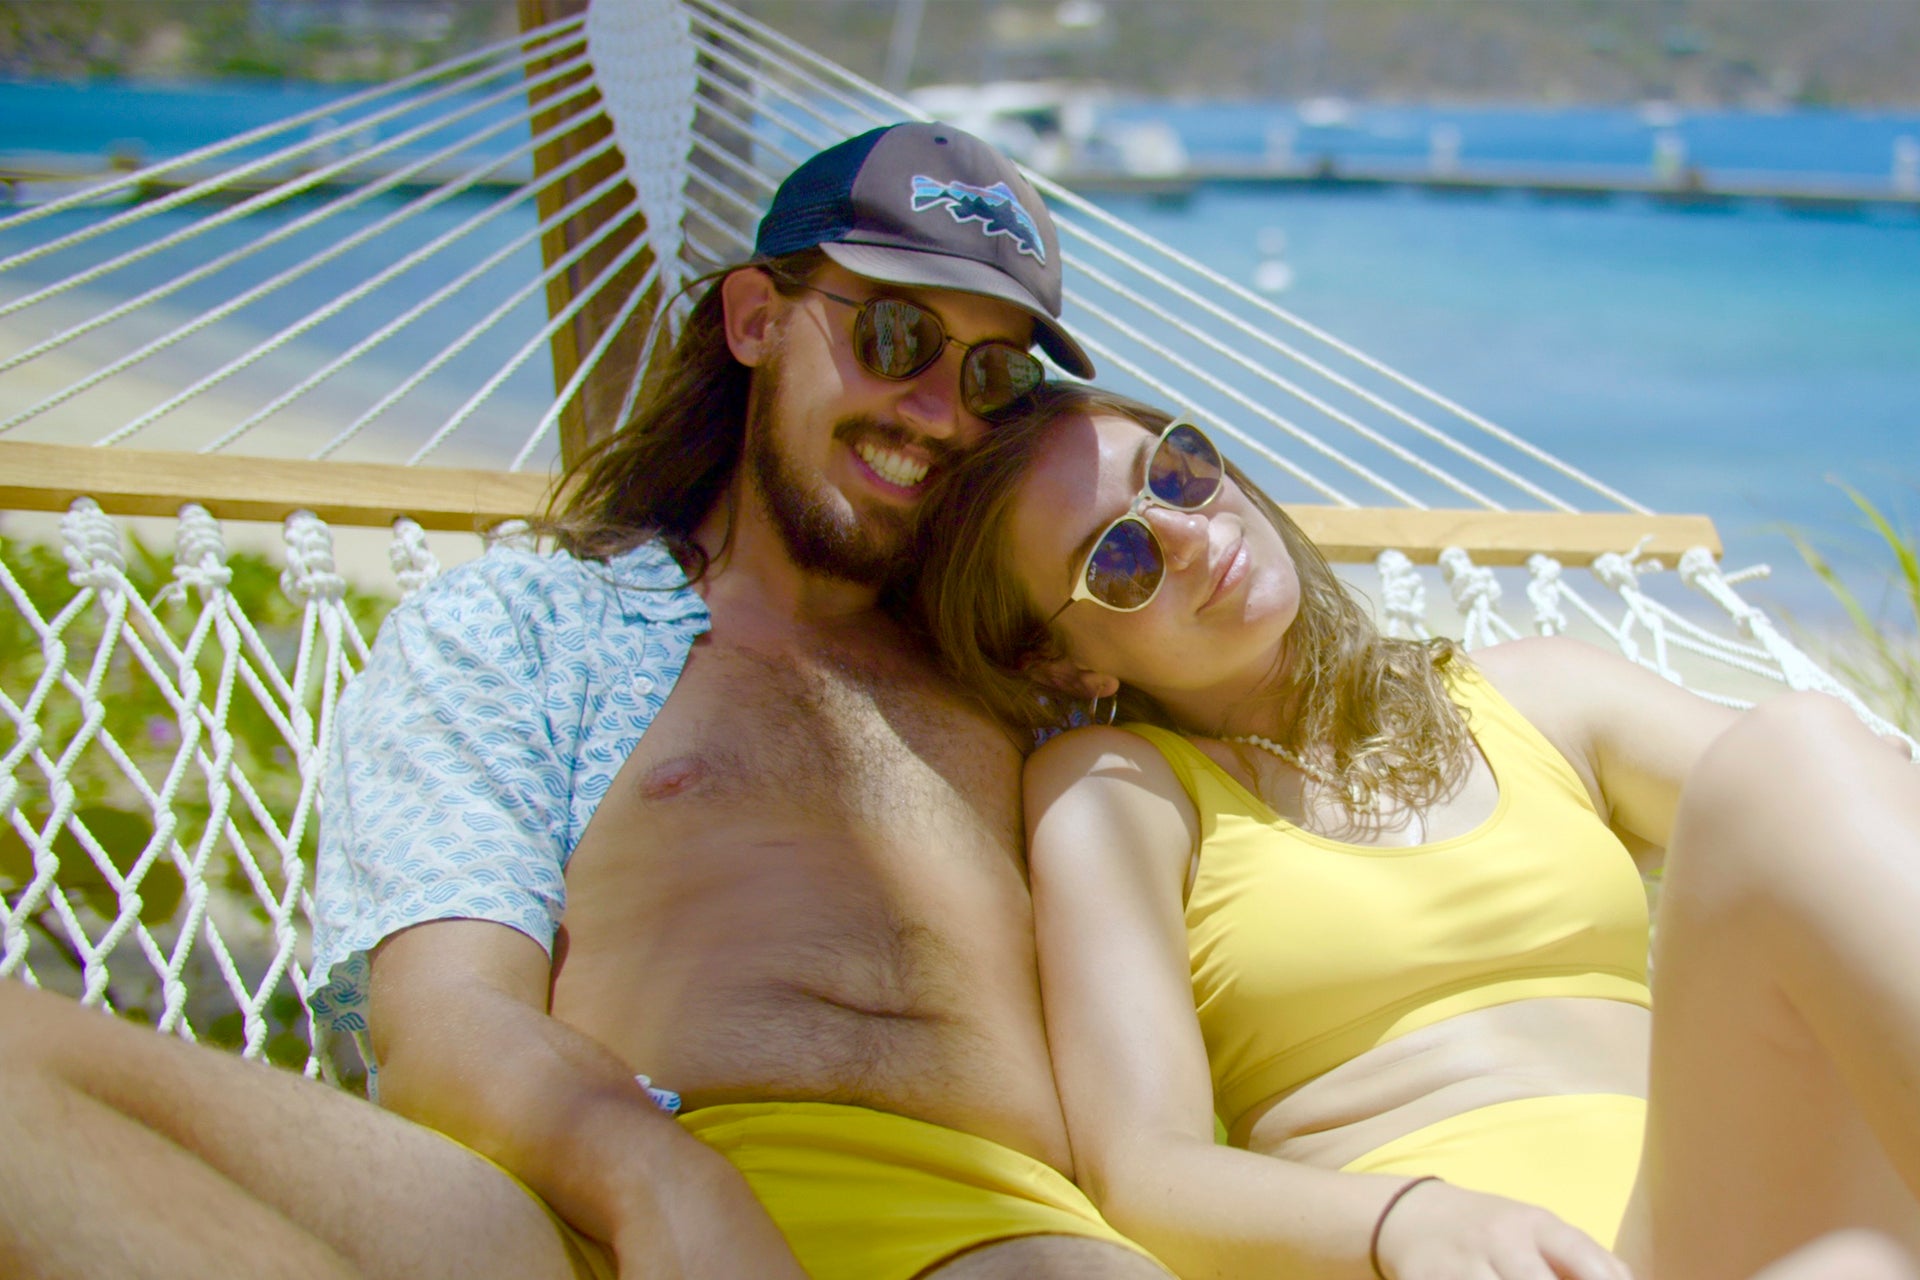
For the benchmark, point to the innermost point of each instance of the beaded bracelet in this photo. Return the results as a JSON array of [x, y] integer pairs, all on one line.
[[1373, 1245]]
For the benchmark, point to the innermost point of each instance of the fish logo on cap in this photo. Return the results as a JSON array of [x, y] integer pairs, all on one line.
[[996, 207]]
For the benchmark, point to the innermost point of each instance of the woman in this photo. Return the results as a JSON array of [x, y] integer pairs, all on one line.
[[1377, 906]]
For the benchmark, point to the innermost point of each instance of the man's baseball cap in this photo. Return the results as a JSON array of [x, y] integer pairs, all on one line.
[[930, 205]]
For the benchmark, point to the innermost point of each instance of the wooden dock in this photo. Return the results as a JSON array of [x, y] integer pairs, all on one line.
[[28, 183], [33, 182], [1691, 186]]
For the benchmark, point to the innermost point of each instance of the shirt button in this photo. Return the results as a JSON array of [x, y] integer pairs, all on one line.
[[643, 685]]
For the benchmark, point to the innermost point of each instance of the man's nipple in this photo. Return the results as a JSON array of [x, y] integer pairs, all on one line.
[[672, 777]]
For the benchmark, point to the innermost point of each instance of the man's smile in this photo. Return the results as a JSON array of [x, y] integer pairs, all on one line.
[[895, 466]]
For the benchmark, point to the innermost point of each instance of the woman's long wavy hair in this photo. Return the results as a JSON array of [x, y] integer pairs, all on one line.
[[660, 473], [1372, 709]]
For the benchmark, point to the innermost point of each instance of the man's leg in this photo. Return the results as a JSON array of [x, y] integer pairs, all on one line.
[[129, 1154]]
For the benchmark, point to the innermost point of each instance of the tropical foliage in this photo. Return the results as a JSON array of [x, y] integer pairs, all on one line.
[[144, 783], [1881, 658]]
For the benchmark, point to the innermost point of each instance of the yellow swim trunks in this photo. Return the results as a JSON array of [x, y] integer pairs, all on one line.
[[1574, 1154], [867, 1195]]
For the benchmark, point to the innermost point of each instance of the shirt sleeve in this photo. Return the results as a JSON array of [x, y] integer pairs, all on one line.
[[446, 793]]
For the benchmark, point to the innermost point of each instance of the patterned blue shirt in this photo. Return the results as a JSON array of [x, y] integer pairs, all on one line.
[[468, 757]]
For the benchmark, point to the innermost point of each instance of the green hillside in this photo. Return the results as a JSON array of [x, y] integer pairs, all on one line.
[[1761, 53]]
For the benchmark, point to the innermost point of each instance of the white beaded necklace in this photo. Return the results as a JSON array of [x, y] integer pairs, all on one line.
[[1360, 799]]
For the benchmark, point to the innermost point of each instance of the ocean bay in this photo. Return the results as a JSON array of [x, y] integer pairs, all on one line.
[[1722, 359]]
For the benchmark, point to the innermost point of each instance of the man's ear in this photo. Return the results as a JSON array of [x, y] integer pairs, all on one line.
[[1069, 677], [750, 305]]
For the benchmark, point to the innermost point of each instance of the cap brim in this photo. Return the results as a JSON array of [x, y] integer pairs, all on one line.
[[944, 271]]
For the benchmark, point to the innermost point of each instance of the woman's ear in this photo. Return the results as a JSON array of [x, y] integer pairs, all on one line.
[[750, 304], [1069, 677]]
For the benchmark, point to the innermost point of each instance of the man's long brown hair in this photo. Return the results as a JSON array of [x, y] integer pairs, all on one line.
[[660, 474], [1374, 709]]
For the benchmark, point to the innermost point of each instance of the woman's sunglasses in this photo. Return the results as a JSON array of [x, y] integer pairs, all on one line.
[[896, 340], [1127, 564]]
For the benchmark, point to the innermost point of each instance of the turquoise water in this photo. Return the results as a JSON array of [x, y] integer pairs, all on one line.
[[1832, 143], [1724, 360], [1726, 363]]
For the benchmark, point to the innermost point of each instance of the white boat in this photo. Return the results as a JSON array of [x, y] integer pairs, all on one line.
[[1057, 128], [1325, 113]]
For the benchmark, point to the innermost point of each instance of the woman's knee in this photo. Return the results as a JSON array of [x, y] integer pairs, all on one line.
[[1753, 807], [1796, 788], [1845, 1255], [1791, 751]]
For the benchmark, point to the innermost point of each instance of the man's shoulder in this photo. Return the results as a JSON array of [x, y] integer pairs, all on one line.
[[542, 589]]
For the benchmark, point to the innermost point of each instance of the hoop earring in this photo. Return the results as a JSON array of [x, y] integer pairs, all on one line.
[[1093, 710]]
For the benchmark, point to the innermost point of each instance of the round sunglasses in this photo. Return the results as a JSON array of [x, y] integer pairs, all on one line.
[[896, 340], [1127, 564]]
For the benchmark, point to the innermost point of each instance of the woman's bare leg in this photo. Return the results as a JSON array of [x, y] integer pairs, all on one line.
[[1845, 1255], [129, 1154], [1785, 1087]]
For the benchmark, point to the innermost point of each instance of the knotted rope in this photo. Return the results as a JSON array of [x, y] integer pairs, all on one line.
[[93, 548], [1403, 596], [1543, 591], [310, 574], [414, 564]]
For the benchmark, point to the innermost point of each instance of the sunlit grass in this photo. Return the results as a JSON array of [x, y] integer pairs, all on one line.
[[1880, 659]]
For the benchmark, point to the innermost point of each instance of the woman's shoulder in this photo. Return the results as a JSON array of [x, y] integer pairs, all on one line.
[[1099, 752], [1107, 770], [1536, 655], [1548, 676], [1595, 700], [1107, 796], [1543, 678]]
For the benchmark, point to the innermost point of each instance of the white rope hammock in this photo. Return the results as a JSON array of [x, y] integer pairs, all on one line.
[[365, 281]]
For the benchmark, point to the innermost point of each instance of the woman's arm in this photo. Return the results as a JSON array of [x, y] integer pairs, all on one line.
[[1631, 735], [1111, 835]]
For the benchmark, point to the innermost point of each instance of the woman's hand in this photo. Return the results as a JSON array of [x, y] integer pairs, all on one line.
[[1442, 1232]]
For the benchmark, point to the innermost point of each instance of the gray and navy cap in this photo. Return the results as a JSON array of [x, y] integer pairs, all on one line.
[[930, 205]]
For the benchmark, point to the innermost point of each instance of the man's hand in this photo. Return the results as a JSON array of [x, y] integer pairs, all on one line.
[[1442, 1232], [466, 1046], [703, 1225]]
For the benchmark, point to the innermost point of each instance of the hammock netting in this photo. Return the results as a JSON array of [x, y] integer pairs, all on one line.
[[384, 279]]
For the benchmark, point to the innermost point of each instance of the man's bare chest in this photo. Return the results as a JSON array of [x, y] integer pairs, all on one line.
[[826, 738], [805, 842]]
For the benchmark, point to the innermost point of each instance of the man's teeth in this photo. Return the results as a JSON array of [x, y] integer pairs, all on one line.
[[894, 468]]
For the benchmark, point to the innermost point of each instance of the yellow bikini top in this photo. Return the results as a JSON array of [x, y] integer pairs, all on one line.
[[1307, 952]]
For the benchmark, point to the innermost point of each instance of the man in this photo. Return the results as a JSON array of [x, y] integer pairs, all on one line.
[[787, 853]]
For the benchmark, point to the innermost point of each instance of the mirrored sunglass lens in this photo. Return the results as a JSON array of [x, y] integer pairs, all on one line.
[[1126, 566], [1185, 470], [896, 339], [995, 377]]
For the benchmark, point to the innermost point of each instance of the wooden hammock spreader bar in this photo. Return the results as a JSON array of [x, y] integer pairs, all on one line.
[[1349, 535], [48, 477]]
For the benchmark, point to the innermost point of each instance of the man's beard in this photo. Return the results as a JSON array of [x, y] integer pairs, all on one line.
[[820, 536]]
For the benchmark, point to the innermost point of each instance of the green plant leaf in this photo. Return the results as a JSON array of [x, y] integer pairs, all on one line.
[[1862, 621], [16, 861], [1905, 548], [1888, 673], [123, 837]]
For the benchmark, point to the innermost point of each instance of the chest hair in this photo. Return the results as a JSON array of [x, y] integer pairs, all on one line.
[[845, 735]]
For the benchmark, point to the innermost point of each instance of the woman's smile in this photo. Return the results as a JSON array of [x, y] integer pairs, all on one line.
[[1230, 573]]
